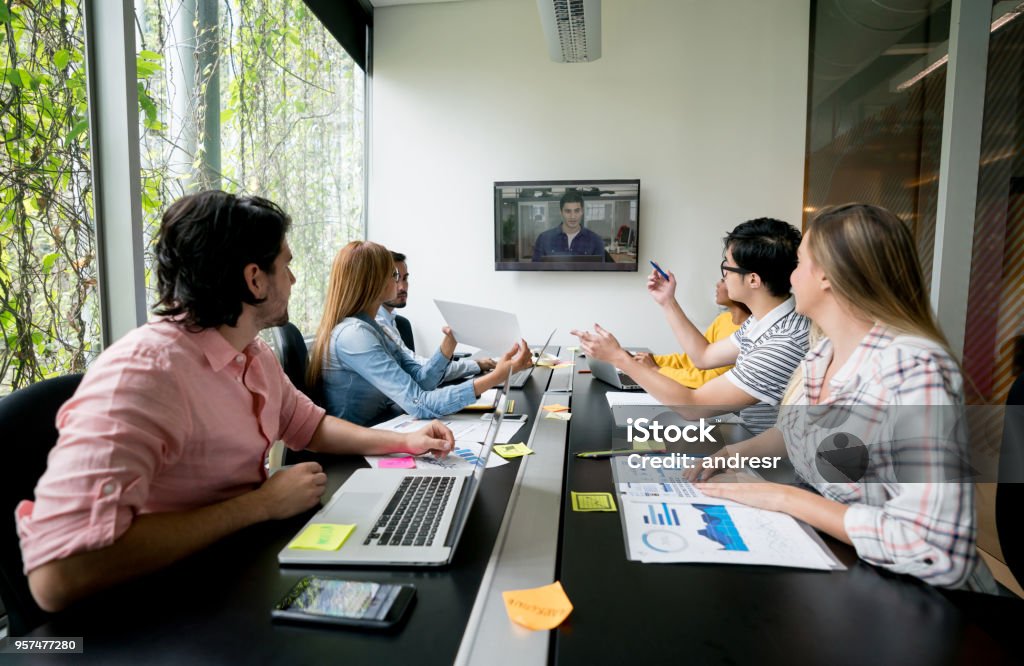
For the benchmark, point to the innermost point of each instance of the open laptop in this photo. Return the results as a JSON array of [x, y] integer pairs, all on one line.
[[609, 374], [402, 517], [520, 378]]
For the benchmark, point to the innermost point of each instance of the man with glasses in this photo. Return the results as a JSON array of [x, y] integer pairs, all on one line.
[[759, 257], [679, 366], [387, 320]]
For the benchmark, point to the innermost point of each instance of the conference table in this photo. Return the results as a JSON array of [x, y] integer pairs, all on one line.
[[711, 613], [214, 607]]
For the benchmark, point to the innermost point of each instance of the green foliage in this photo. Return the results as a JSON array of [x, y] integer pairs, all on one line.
[[291, 129], [49, 317]]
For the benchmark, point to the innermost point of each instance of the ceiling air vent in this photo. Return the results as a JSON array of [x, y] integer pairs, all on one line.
[[572, 29]]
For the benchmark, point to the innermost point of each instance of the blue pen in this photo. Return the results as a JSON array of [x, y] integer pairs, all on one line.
[[660, 272]]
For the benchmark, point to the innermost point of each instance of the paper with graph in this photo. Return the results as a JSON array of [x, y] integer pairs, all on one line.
[[469, 433], [665, 519], [465, 455], [470, 428]]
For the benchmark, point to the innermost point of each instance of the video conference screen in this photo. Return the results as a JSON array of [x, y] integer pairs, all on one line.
[[566, 225]]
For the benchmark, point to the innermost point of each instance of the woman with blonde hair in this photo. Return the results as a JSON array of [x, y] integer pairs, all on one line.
[[366, 377], [872, 417]]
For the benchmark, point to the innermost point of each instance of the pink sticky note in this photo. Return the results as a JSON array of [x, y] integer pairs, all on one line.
[[405, 462]]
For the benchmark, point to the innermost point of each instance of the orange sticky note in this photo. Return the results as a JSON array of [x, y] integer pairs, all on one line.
[[539, 608], [556, 408], [402, 462]]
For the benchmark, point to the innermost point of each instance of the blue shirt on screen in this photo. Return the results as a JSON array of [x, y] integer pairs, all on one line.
[[554, 242]]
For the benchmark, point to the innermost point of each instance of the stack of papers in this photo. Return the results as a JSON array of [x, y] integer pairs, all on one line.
[[635, 398], [666, 519], [464, 427], [465, 455], [548, 361], [488, 401], [469, 433]]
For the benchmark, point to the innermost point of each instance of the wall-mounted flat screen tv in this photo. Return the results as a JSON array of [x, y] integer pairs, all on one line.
[[566, 225]]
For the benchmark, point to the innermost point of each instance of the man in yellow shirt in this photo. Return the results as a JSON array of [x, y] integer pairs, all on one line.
[[679, 366]]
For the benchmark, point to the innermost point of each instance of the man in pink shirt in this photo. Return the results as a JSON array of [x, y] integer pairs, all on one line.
[[161, 450]]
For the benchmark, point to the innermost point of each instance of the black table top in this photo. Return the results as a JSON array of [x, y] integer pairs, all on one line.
[[214, 607], [630, 612]]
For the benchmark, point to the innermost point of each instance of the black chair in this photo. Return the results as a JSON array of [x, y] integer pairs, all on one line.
[[1010, 491], [405, 330], [293, 354], [28, 422]]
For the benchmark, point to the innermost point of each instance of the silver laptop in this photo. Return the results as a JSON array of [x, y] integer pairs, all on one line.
[[520, 378], [609, 374], [402, 517]]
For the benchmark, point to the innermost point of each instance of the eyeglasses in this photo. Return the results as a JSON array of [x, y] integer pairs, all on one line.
[[396, 276], [732, 269]]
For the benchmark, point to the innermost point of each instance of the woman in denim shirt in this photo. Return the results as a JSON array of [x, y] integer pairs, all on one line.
[[366, 377]]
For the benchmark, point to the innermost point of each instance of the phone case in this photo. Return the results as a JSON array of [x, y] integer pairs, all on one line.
[[402, 603]]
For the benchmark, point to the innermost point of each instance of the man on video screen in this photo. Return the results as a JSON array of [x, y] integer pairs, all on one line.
[[569, 238]]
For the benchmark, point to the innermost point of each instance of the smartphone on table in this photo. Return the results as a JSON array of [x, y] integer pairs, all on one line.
[[330, 601]]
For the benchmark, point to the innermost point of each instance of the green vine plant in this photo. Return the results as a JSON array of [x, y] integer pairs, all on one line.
[[49, 314], [289, 110], [268, 104]]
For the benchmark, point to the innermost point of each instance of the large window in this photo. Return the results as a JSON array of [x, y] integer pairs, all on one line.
[[254, 98], [49, 312], [250, 97]]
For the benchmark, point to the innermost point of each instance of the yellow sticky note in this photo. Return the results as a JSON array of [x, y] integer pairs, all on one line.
[[593, 502], [561, 365], [539, 608], [556, 408], [322, 536], [512, 450], [547, 363], [561, 416], [572, 349]]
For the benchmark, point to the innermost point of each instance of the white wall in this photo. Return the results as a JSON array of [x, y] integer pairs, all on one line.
[[704, 101]]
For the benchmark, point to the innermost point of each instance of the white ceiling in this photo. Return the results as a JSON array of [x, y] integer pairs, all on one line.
[[392, 3]]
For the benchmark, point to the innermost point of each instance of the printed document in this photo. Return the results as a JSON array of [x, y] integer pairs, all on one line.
[[667, 519]]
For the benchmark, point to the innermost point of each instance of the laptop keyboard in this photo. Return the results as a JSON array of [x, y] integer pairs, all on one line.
[[414, 512], [627, 381], [520, 376]]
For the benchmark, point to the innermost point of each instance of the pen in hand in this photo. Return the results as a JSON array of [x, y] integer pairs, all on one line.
[[662, 273]]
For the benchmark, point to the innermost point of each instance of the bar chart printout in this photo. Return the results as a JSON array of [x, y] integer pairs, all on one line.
[[665, 519]]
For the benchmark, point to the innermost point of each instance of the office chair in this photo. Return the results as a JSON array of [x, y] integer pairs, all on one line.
[[405, 330], [1010, 491], [292, 354], [28, 421]]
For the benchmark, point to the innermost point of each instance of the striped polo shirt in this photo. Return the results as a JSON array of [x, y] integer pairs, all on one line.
[[771, 348]]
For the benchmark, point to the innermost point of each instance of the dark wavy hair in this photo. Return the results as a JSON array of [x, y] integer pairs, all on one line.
[[766, 246], [205, 242], [570, 196]]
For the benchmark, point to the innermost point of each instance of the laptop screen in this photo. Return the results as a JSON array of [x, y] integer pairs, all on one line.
[[492, 432], [473, 482], [540, 355]]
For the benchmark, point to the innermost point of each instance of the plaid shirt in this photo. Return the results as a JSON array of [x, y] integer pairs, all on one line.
[[911, 507]]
